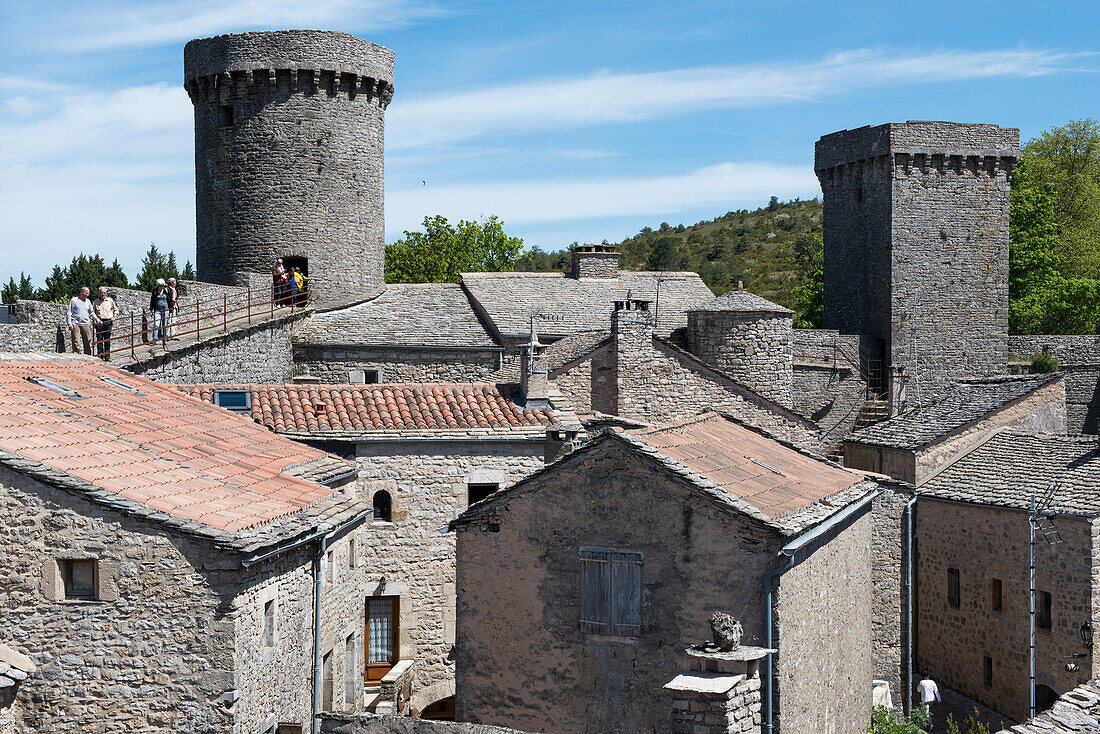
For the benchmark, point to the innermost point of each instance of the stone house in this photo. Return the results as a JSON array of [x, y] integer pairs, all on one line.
[[423, 452], [914, 445], [972, 586], [169, 565], [580, 586]]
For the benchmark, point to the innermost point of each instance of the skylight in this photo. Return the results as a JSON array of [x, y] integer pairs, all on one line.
[[239, 401], [55, 386], [121, 385]]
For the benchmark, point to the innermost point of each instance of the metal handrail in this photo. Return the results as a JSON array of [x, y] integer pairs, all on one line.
[[239, 307]]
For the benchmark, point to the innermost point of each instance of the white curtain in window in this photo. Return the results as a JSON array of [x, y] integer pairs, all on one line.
[[380, 631]]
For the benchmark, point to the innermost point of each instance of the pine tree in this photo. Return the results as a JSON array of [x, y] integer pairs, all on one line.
[[12, 292]]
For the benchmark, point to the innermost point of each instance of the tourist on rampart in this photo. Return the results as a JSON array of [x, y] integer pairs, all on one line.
[[299, 286], [161, 304], [172, 311], [281, 282], [79, 319], [106, 311]]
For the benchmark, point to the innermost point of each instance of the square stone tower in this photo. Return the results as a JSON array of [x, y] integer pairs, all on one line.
[[916, 247]]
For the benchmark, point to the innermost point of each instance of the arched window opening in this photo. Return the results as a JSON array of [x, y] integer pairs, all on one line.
[[383, 506]]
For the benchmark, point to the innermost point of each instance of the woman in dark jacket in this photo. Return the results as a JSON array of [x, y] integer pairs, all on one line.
[[161, 303]]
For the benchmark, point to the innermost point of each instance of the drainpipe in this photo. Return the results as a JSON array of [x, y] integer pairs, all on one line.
[[909, 604], [789, 550], [322, 547]]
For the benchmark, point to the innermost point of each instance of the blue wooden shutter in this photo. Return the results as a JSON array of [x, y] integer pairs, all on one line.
[[626, 593], [595, 585], [611, 591]]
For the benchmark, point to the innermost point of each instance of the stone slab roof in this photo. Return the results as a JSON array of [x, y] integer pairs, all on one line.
[[509, 300], [558, 354], [14, 667], [1075, 712], [963, 403], [1009, 466], [147, 449], [772, 477], [717, 457], [742, 300], [408, 410], [405, 314]]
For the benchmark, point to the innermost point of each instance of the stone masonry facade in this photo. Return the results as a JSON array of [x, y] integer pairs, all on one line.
[[334, 364], [289, 156], [753, 348], [1079, 357], [916, 246], [428, 483], [987, 544]]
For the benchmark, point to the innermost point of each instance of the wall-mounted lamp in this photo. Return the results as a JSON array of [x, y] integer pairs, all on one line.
[[382, 583], [1086, 635]]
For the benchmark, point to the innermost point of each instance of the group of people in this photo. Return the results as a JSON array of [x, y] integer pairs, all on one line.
[[91, 322], [85, 315], [291, 288]]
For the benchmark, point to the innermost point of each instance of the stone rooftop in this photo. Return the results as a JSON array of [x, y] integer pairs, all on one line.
[[962, 403], [558, 354], [1076, 712], [147, 449], [1009, 466], [362, 411], [742, 300], [405, 314], [584, 304]]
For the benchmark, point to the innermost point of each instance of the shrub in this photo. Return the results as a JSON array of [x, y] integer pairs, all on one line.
[[1044, 362]]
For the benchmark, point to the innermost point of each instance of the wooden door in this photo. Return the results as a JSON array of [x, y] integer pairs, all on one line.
[[381, 637]]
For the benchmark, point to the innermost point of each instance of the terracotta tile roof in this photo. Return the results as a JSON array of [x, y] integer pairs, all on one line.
[[768, 475], [154, 447], [359, 410]]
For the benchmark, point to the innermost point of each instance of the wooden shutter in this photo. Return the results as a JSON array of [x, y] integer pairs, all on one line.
[[611, 591]]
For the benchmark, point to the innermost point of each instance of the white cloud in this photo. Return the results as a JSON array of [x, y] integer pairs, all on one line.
[[141, 23], [606, 97], [728, 185]]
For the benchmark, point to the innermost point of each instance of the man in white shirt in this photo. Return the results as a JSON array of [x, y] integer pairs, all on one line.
[[79, 318], [929, 693]]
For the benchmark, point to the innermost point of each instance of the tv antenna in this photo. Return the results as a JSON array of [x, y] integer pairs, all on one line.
[[1040, 518]]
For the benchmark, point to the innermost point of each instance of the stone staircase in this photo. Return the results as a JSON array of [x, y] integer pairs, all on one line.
[[874, 409]]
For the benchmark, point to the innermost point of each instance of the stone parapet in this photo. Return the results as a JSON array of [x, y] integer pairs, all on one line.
[[720, 694]]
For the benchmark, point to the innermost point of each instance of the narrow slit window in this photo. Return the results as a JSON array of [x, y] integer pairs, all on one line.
[[996, 596], [1044, 609], [987, 671], [953, 598], [269, 623]]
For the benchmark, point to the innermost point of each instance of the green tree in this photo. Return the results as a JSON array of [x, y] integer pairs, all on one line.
[[13, 291], [807, 253], [1067, 159], [155, 265], [188, 272], [667, 253], [442, 251], [84, 271]]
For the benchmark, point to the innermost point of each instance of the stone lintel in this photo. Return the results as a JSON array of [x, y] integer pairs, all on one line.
[[694, 681]]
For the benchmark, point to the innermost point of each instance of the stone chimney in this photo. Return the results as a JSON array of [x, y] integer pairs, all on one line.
[[534, 382], [719, 693], [560, 440], [632, 332], [595, 261]]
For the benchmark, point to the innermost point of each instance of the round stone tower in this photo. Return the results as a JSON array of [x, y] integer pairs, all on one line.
[[288, 157], [748, 338]]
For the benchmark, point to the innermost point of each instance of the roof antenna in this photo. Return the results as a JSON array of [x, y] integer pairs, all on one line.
[[1039, 519]]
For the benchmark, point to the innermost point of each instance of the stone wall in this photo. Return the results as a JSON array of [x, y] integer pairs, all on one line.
[[289, 156], [32, 338], [522, 659], [588, 383], [331, 364], [916, 245], [260, 353], [1079, 355], [753, 348], [889, 614], [657, 383], [139, 659], [986, 543], [901, 464], [374, 724], [427, 482], [827, 386], [823, 638]]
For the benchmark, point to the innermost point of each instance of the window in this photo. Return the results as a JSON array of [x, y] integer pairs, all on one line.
[[478, 492], [350, 678], [290, 729], [239, 401], [381, 636], [55, 386], [330, 567], [611, 591], [1043, 609], [372, 377], [987, 670], [122, 386], [383, 506], [353, 559], [953, 598], [225, 116], [328, 682], [79, 578], [996, 598], [269, 623]]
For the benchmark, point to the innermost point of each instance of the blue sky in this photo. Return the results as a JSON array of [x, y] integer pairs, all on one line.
[[570, 120]]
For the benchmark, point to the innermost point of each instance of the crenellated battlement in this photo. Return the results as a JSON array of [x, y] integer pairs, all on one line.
[[916, 163], [236, 85]]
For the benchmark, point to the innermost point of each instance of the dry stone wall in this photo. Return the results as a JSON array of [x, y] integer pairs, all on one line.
[[589, 383], [333, 364], [827, 386], [889, 613], [1079, 355], [427, 483], [375, 724], [752, 347], [289, 156]]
